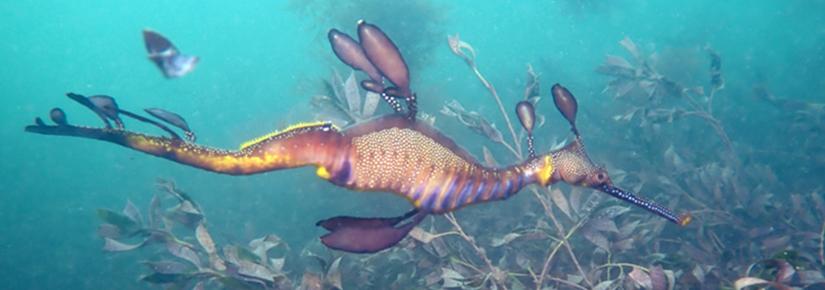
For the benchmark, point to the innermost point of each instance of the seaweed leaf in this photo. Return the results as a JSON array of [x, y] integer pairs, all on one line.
[[328, 108], [604, 285], [277, 264], [208, 245], [256, 271], [674, 160], [340, 96], [131, 211], [489, 159], [618, 62], [498, 242], [183, 251], [160, 278], [575, 200], [167, 267], [371, 101], [745, 282], [155, 213], [603, 225], [560, 201], [613, 211], [451, 278], [627, 229], [261, 246], [125, 225], [459, 47], [658, 281], [472, 120], [108, 231], [631, 48], [533, 88], [717, 82], [352, 94], [204, 239], [199, 286], [421, 235], [111, 245], [597, 239], [311, 281], [333, 278]]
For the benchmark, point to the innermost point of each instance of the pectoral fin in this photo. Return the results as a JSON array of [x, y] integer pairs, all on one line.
[[334, 223], [367, 235]]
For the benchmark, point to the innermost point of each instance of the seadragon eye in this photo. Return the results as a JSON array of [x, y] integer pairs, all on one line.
[[600, 178]]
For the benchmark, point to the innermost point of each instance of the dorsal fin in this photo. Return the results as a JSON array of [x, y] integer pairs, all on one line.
[[291, 128]]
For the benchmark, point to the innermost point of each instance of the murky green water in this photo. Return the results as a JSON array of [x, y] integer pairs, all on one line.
[[263, 61]]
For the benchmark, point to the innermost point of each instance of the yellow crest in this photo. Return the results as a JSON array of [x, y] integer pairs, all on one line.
[[298, 126]]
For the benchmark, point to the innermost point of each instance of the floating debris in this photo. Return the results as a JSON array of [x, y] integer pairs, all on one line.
[[166, 56]]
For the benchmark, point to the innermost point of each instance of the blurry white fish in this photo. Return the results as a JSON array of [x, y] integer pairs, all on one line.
[[165, 55]]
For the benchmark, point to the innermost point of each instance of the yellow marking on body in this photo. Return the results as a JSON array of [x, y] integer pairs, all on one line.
[[257, 140], [218, 160], [546, 171], [244, 162], [322, 172]]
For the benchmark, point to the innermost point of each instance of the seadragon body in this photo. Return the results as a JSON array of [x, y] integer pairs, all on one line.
[[386, 154], [392, 153]]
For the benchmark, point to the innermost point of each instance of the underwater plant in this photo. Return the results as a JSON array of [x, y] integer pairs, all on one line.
[[641, 76], [558, 237], [419, 27], [734, 199], [344, 105], [184, 265], [396, 153]]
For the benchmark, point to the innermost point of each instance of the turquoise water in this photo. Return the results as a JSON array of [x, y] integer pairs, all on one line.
[[262, 61]]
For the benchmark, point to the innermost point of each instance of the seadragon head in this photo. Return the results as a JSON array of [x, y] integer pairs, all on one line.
[[573, 166]]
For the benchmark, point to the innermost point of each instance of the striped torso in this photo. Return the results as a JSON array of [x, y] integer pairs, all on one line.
[[433, 176]]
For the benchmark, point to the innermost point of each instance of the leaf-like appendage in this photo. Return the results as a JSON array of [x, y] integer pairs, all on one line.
[[352, 94]]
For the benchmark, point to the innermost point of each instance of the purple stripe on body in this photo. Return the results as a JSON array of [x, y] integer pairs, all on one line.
[[416, 193], [462, 197], [429, 199], [481, 185], [492, 192], [445, 202], [507, 189]]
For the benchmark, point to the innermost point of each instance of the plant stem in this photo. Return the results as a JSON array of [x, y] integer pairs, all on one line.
[[444, 234], [565, 282], [468, 265], [562, 242], [512, 150], [693, 103], [822, 245], [717, 126], [710, 100], [494, 93], [613, 265], [609, 260], [479, 251]]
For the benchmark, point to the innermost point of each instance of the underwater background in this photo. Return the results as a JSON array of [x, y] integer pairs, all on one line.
[[749, 169]]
